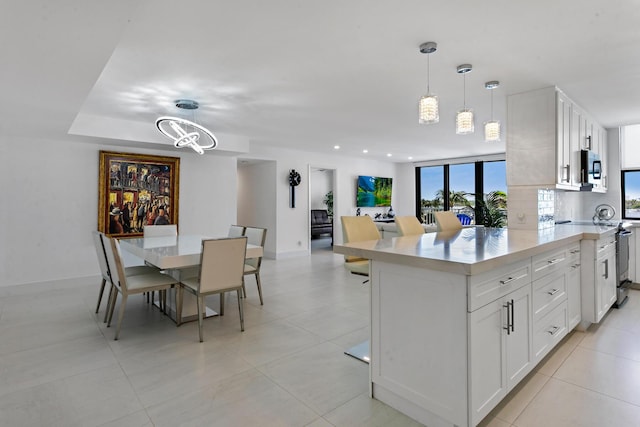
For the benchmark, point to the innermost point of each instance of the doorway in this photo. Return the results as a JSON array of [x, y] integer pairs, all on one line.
[[322, 192]]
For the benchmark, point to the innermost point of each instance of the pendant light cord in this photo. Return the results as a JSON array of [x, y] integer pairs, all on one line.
[[491, 104], [464, 91], [428, 76]]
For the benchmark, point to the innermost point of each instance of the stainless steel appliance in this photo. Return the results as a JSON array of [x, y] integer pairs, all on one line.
[[590, 167], [622, 265]]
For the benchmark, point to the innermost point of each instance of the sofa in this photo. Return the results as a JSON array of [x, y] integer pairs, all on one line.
[[321, 223]]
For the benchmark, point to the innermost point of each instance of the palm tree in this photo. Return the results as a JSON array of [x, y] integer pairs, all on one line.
[[455, 197], [492, 210]]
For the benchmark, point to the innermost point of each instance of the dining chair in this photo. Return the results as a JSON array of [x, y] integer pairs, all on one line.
[[408, 226], [160, 230], [236, 231], [447, 221], [358, 229], [131, 284], [98, 242], [255, 236], [221, 270]]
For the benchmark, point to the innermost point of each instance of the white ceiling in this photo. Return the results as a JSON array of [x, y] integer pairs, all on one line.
[[310, 75]]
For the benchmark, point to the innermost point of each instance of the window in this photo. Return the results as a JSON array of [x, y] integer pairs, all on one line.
[[631, 194], [430, 192], [458, 187]]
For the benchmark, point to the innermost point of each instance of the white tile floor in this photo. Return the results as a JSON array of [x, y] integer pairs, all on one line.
[[59, 365]]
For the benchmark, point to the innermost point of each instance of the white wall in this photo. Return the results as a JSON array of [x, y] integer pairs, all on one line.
[[50, 190], [257, 200], [404, 189], [321, 181], [293, 238], [50, 194]]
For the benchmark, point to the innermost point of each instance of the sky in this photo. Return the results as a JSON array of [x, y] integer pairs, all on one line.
[[632, 185]]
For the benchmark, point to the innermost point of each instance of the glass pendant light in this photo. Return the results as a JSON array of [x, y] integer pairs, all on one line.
[[428, 106], [492, 127], [464, 117]]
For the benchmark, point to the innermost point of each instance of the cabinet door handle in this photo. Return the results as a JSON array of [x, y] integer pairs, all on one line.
[[589, 142], [509, 307], [553, 291], [574, 266], [513, 310], [511, 279], [567, 177], [554, 261], [575, 251], [553, 330], [606, 269]]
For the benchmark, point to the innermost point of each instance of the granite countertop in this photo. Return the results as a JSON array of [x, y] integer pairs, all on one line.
[[471, 250]]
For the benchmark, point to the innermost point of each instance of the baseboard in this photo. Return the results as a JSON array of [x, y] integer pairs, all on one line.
[[283, 255]]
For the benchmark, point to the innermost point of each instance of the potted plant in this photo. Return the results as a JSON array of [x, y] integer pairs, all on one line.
[[328, 200]]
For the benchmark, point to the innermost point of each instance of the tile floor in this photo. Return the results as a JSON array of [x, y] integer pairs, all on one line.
[[59, 365]]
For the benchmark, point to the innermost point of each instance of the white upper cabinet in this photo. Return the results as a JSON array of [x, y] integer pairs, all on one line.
[[545, 135]]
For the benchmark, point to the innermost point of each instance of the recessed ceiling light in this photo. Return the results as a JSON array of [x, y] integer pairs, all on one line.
[[388, 154], [365, 151], [336, 147], [410, 157]]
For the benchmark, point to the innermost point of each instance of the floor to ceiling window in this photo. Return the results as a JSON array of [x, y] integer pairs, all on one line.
[[477, 190]]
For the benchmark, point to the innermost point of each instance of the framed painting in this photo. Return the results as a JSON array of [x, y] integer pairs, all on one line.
[[136, 190]]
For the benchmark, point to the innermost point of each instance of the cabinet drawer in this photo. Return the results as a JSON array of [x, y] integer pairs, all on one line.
[[548, 292], [574, 252], [548, 331], [487, 287], [549, 262], [604, 246]]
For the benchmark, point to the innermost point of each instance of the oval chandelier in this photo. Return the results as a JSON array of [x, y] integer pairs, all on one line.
[[186, 133]]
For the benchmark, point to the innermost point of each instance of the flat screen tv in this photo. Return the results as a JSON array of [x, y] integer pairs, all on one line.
[[373, 191]]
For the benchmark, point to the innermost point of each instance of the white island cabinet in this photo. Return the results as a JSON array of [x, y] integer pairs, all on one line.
[[458, 319]]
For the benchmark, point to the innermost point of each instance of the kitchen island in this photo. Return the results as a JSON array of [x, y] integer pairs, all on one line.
[[459, 318]]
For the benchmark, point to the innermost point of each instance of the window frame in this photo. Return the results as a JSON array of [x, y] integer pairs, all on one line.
[[479, 183], [623, 196]]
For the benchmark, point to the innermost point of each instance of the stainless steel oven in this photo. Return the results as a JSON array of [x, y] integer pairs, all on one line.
[[622, 266]]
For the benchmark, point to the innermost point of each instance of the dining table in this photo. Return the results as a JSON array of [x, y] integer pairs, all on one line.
[[178, 256]]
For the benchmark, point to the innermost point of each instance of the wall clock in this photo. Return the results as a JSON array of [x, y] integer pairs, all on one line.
[[294, 181]]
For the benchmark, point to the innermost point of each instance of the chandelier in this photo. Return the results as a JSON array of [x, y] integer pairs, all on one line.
[[186, 133], [428, 105]]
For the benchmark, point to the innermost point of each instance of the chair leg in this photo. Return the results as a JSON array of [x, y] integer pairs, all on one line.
[[222, 304], [106, 312], [244, 290], [123, 303], [259, 287], [200, 317], [240, 309], [179, 291], [104, 282], [114, 298]]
